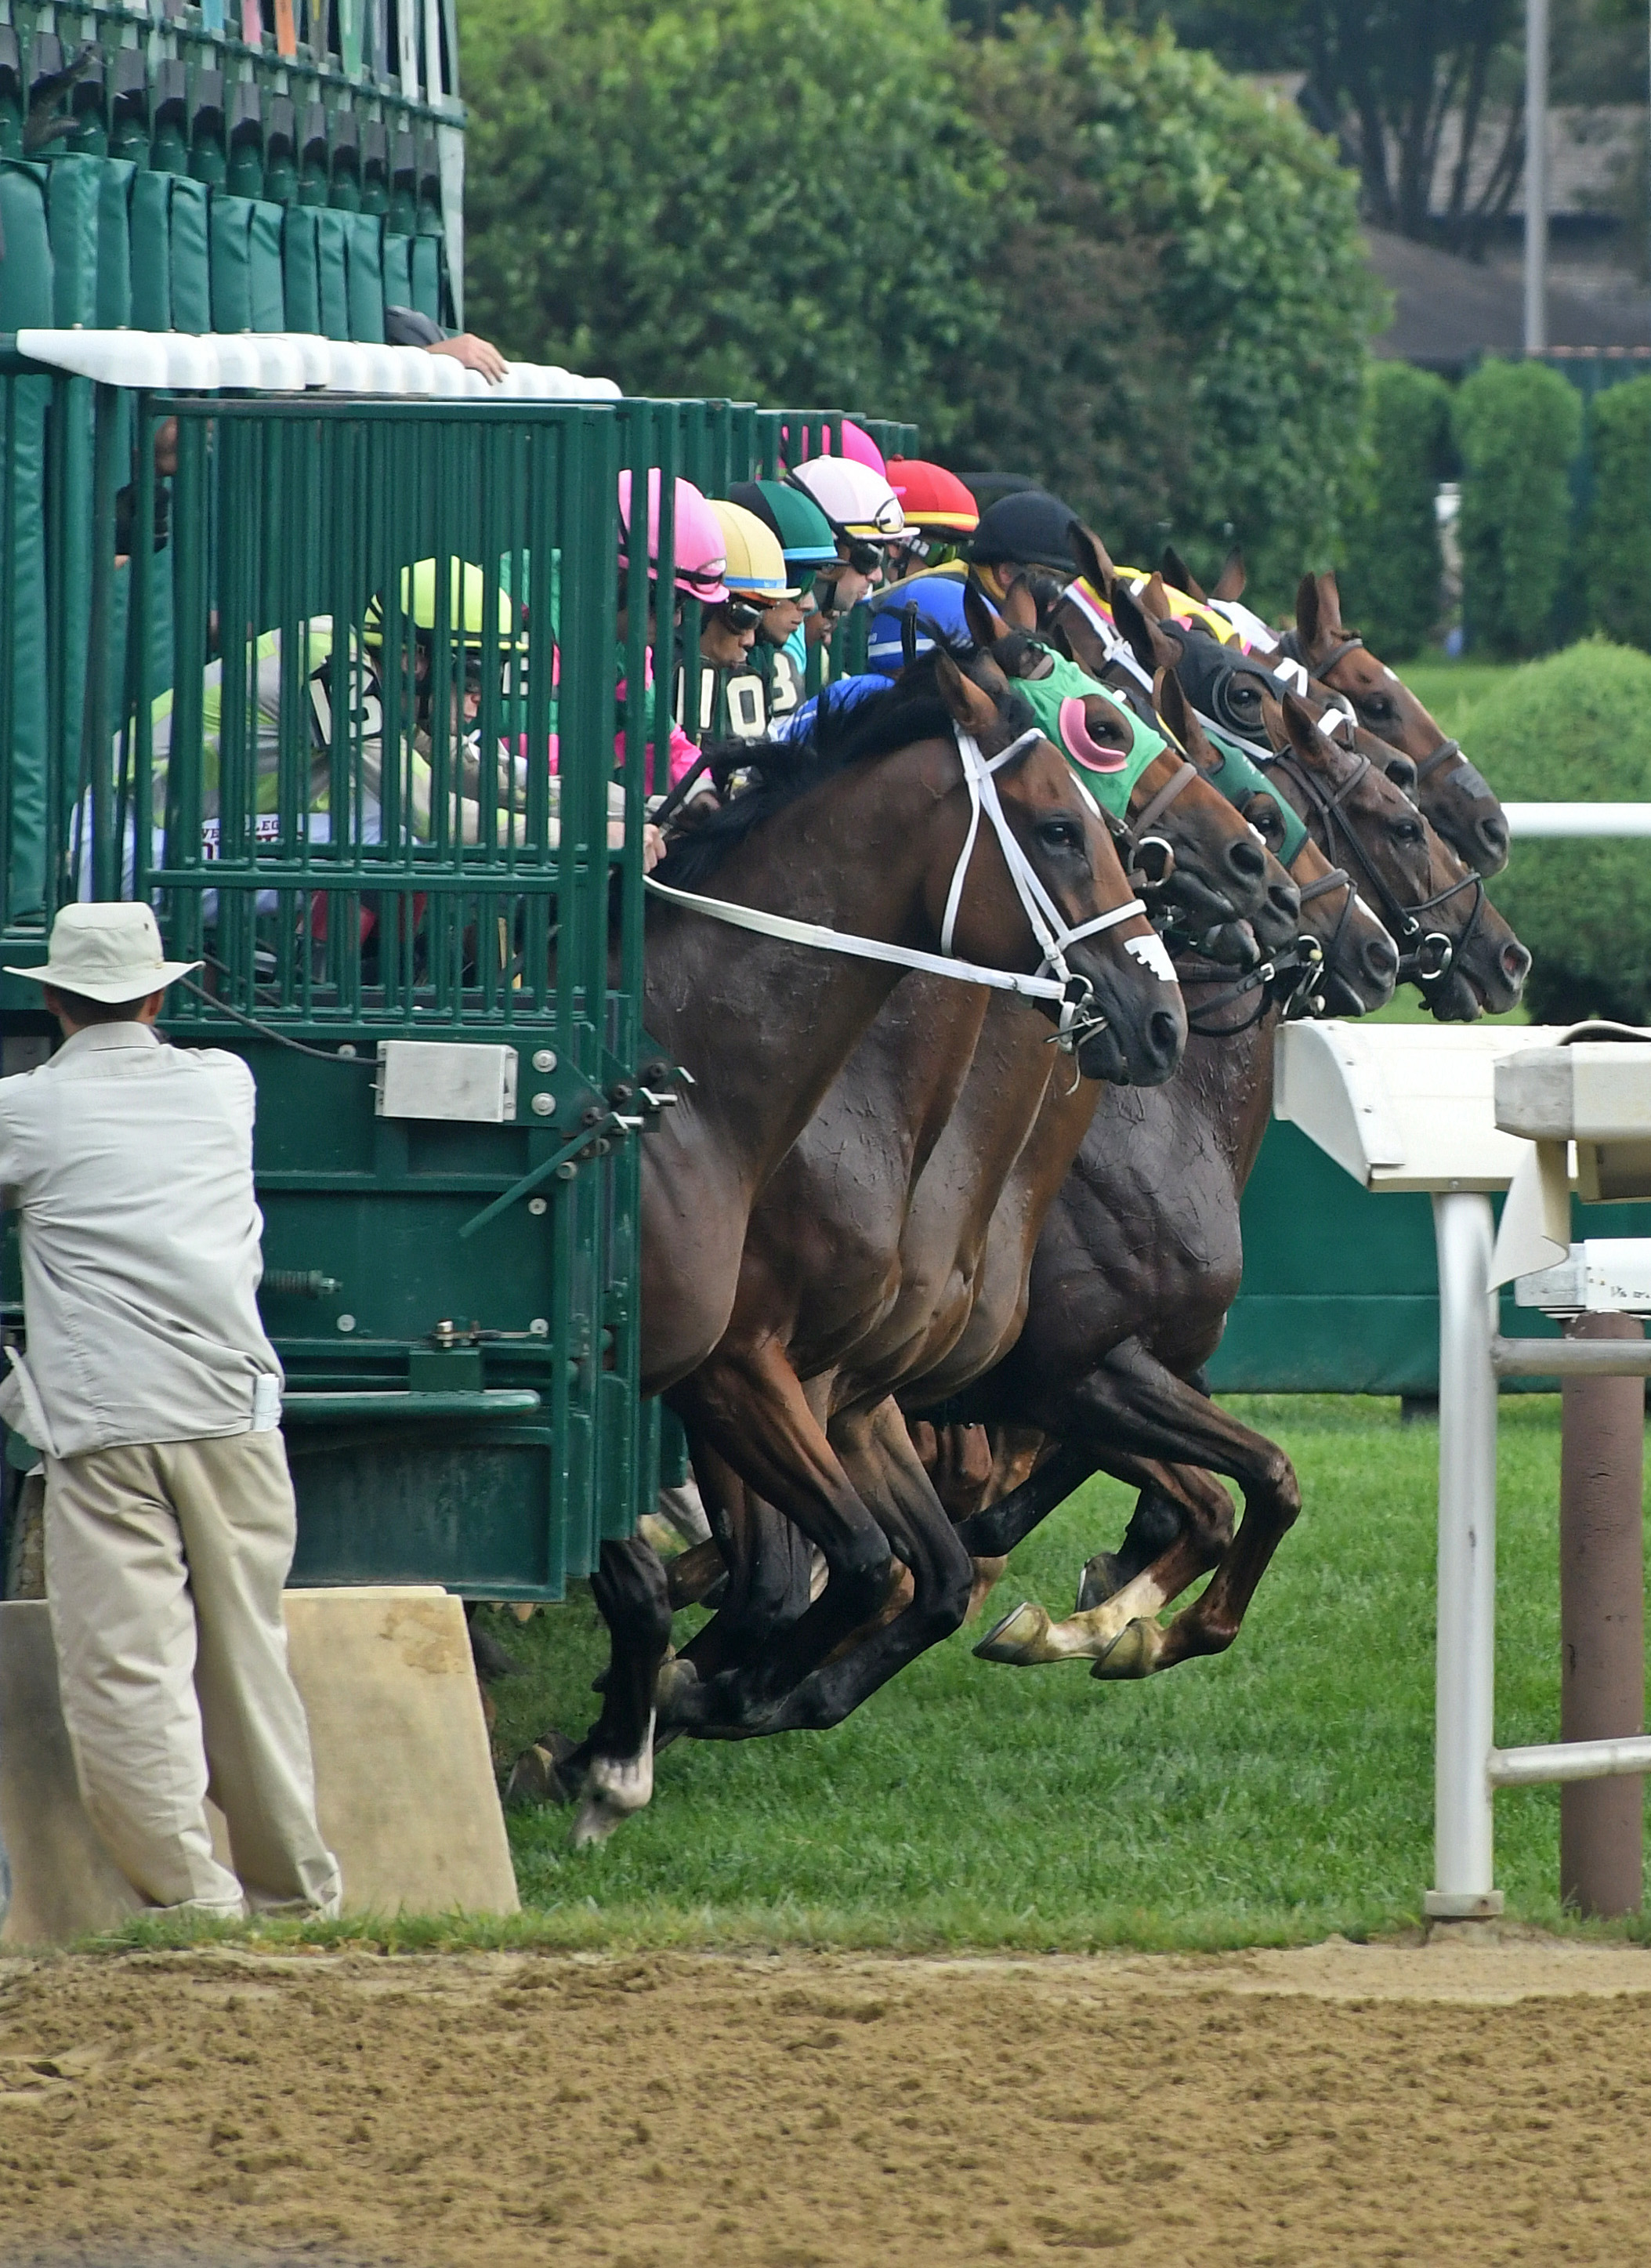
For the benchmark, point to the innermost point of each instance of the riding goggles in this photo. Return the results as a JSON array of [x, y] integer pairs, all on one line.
[[743, 613]]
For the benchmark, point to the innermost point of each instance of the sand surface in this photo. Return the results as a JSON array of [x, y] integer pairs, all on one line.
[[1450, 2104]]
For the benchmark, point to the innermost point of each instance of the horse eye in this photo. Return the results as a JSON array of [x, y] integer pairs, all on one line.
[[1061, 835]]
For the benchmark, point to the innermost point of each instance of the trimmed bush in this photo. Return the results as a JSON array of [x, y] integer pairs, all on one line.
[[1518, 425], [1575, 728], [1392, 564], [1618, 554]]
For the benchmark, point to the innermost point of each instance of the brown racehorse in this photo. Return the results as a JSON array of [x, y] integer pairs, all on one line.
[[870, 834], [1455, 795], [1131, 1282]]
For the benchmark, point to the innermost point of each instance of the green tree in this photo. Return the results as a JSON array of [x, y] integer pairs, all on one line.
[[720, 197], [1617, 551], [1201, 371], [1391, 564], [1518, 425], [1575, 728]]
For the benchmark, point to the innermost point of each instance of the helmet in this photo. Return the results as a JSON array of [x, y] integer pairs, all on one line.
[[935, 603], [756, 565], [858, 444], [931, 496], [1026, 528], [857, 501], [467, 606], [804, 532], [697, 537]]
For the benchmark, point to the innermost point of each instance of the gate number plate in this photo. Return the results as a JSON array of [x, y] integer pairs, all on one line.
[[434, 1079]]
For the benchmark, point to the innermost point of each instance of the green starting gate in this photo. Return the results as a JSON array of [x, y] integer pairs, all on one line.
[[218, 693]]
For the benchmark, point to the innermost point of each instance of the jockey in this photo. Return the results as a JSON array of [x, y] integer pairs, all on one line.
[[865, 519], [806, 543], [699, 556], [940, 514], [759, 585]]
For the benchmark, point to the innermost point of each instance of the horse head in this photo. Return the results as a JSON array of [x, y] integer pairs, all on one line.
[[1132, 1026], [1453, 944], [1455, 795]]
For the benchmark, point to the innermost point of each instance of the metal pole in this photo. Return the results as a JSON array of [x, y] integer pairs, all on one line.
[[1465, 1675], [1536, 176], [1601, 1623]]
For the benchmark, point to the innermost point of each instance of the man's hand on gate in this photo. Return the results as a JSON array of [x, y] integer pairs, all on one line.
[[475, 354]]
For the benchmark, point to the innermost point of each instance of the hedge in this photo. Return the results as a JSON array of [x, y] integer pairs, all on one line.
[[1518, 425], [1575, 728], [1618, 543], [1391, 562]]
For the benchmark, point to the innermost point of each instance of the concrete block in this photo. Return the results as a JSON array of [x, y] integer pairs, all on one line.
[[404, 1775]]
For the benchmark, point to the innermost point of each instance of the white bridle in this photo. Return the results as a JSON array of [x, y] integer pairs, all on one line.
[[1077, 1021]]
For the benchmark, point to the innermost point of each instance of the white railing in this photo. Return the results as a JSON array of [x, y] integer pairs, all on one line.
[[1539, 823]]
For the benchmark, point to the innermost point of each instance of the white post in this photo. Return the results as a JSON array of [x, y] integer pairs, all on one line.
[[1465, 1675], [1536, 176]]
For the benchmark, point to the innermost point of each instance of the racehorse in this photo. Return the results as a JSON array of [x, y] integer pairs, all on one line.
[[764, 1030], [1138, 1266]]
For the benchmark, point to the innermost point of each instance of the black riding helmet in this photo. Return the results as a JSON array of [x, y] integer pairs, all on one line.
[[1027, 528]]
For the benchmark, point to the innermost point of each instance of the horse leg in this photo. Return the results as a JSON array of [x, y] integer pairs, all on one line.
[[1134, 1409], [994, 1532], [877, 1452], [629, 1588], [748, 1404], [1171, 1496]]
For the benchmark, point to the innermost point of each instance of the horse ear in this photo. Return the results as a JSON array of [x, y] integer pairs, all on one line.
[[1230, 581], [985, 625], [1176, 571], [1307, 614], [1090, 555], [975, 710], [1329, 606], [1272, 723], [1153, 600], [1301, 727], [1169, 698], [1019, 608], [1056, 636], [1146, 642]]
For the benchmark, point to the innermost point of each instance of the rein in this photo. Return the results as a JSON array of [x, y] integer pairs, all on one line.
[[1425, 955], [1077, 1021]]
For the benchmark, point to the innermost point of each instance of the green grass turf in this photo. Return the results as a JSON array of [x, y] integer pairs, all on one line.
[[1273, 1796]]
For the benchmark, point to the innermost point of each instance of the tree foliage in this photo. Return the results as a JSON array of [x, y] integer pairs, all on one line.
[[1619, 534], [1575, 728], [1214, 379], [1074, 251], [1391, 563], [727, 198], [1517, 425]]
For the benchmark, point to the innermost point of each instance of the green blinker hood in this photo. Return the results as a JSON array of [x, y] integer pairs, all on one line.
[[1056, 701]]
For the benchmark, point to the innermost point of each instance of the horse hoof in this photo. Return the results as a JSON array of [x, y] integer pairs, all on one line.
[[597, 1820], [1133, 1652], [535, 1776], [1101, 1579], [1018, 1637]]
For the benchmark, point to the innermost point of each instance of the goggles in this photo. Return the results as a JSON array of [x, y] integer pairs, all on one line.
[[740, 611], [865, 558]]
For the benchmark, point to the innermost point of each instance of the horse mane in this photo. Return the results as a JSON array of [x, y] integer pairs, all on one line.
[[780, 772]]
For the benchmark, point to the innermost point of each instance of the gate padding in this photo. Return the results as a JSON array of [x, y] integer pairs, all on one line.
[[98, 243]]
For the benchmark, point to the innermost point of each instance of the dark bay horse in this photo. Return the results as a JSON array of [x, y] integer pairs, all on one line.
[[1455, 796], [873, 832], [865, 1252], [1137, 1264]]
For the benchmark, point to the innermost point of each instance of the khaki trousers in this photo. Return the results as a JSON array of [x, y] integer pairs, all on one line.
[[165, 1565]]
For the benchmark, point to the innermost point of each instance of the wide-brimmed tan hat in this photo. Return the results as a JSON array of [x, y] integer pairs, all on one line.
[[109, 952]]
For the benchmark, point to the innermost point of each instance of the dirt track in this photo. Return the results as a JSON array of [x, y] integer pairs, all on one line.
[[1446, 2106]]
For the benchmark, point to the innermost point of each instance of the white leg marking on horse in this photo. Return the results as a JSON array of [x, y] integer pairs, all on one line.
[[614, 1787]]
